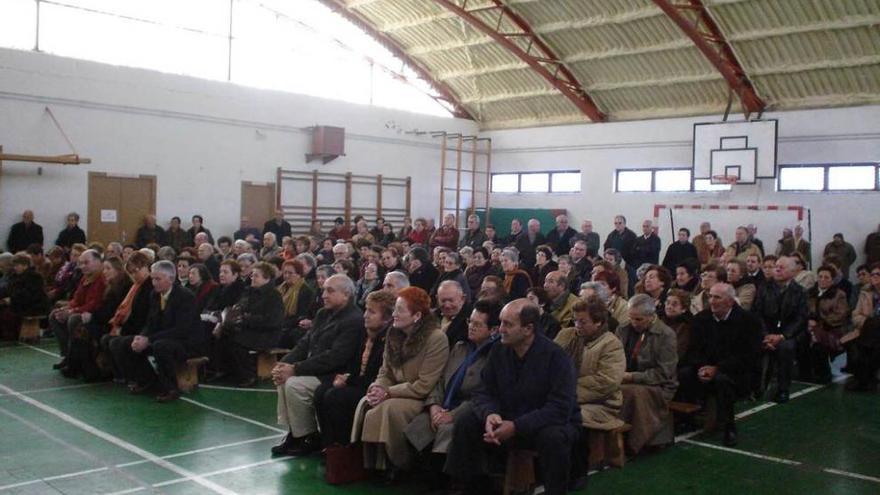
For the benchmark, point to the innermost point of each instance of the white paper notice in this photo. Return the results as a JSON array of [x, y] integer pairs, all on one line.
[[108, 216]]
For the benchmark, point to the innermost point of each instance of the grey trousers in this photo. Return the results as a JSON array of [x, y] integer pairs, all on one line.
[[296, 405]]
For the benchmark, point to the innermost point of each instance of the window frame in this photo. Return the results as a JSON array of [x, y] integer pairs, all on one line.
[[653, 171], [826, 168], [519, 176]]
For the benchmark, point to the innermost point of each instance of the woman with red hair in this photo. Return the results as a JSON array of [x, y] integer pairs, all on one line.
[[416, 351]]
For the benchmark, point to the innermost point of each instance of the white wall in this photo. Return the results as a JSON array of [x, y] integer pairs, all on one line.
[[818, 136], [200, 138]]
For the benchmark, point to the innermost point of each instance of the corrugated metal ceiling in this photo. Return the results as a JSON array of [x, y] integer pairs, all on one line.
[[631, 59]]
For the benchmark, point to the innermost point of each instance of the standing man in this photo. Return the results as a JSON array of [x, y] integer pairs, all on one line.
[[679, 250], [24, 233], [843, 251], [559, 239], [622, 239], [71, 234], [277, 225], [587, 234], [802, 245], [872, 247], [646, 248], [245, 230], [150, 233], [534, 238], [782, 305], [473, 236], [753, 237], [703, 250], [447, 235], [527, 401], [742, 247]]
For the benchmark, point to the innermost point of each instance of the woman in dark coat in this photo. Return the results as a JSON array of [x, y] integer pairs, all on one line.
[[544, 264], [335, 402], [298, 297], [84, 342], [231, 289], [478, 270], [829, 314], [254, 324], [202, 285], [131, 314], [452, 271], [27, 296], [516, 280], [198, 226]]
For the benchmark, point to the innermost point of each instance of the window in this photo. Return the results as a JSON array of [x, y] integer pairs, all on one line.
[[831, 177], [300, 47], [537, 182], [663, 180]]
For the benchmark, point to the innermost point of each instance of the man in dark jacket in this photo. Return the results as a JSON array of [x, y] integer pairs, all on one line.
[[723, 356], [452, 311], [527, 401], [328, 348], [646, 248], [782, 306], [24, 233], [473, 237], [150, 233], [622, 239], [71, 234], [171, 335], [679, 251], [278, 226], [559, 238]]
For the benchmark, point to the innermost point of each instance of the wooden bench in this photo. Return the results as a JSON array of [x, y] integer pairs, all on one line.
[[266, 361], [30, 329], [188, 374], [684, 408], [606, 447], [519, 475]]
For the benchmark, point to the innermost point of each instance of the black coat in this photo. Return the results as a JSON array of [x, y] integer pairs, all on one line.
[[622, 242], [179, 320], [458, 328], [191, 232], [424, 277], [112, 299], [560, 243], [262, 313], [331, 344], [533, 392], [783, 312], [227, 296], [21, 236], [140, 310], [374, 362], [146, 235], [26, 293], [733, 345], [280, 231], [473, 239], [676, 253], [646, 250], [178, 239], [70, 236]]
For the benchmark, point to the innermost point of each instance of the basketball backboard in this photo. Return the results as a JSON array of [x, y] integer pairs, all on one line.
[[746, 150]]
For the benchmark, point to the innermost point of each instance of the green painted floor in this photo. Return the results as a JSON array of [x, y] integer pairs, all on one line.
[[63, 436]]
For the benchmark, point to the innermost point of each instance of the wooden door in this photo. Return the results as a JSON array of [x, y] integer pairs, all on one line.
[[117, 206], [257, 202]]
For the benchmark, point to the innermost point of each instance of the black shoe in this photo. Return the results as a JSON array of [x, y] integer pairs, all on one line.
[[781, 397], [170, 396], [287, 444], [59, 365], [730, 436], [305, 446], [68, 372]]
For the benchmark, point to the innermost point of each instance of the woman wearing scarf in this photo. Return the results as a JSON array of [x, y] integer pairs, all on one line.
[[202, 284], [131, 314], [451, 396], [297, 297], [516, 280], [416, 351]]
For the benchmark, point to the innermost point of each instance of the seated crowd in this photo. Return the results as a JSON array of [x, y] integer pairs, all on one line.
[[447, 349]]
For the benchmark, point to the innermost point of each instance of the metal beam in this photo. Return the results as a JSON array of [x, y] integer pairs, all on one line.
[[694, 20], [543, 61], [445, 93]]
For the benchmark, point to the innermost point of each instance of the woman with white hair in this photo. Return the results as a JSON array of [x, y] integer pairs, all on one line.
[[650, 380], [516, 280]]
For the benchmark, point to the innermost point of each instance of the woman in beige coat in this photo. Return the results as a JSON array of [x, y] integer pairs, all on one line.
[[598, 356], [416, 351]]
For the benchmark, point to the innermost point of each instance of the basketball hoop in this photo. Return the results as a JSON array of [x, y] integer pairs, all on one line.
[[730, 180]]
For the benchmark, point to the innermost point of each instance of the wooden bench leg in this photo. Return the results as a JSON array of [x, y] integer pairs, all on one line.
[[519, 476], [265, 362], [596, 440], [614, 448], [188, 374], [29, 330]]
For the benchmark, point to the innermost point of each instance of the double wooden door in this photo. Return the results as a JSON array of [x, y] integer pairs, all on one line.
[[117, 206]]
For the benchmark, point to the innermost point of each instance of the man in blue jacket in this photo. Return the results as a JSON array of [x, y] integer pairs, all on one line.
[[527, 401]]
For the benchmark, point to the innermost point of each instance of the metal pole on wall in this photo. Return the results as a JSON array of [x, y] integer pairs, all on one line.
[[488, 175], [458, 151], [442, 173]]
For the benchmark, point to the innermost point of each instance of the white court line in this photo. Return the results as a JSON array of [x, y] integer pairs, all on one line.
[[53, 389], [239, 389], [745, 453], [231, 415], [852, 475], [44, 351], [119, 442], [135, 463], [212, 473]]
